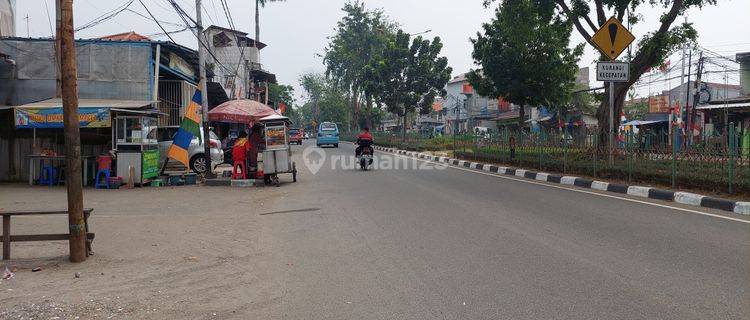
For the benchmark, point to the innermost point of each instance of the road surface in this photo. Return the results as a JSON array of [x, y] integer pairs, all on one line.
[[452, 244]]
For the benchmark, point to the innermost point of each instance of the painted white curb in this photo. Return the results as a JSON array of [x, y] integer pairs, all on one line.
[[502, 170], [688, 198], [474, 165], [568, 180], [638, 191], [521, 173], [486, 167], [542, 176], [243, 183], [742, 208], [600, 185]]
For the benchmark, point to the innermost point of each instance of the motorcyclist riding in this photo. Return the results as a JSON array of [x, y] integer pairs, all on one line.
[[364, 140]]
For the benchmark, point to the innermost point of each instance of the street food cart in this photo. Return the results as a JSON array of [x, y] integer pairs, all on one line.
[[277, 156], [135, 139]]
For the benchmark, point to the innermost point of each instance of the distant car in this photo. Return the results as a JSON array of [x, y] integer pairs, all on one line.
[[295, 136], [196, 151], [328, 134]]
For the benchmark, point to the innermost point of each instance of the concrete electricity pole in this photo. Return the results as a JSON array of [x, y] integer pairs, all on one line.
[[73, 181], [204, 89]]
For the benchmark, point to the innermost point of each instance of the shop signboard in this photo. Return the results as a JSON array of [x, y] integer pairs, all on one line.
[[276, 138], [150, 167], [44, 118], [658, 104]]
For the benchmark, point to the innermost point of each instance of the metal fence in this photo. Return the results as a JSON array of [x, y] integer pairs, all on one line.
[[717, 162], [174, 98]]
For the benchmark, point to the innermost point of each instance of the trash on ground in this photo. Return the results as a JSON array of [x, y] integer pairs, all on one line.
[[7, 274], [36, 269]]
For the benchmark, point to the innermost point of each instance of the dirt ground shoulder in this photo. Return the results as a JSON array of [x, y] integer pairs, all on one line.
[[173, 252]]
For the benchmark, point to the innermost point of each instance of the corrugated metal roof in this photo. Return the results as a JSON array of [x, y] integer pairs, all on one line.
[[724, 106], [88, 103]]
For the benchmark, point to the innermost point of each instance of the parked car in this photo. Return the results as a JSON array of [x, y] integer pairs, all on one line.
[[295, 136], [328, 134], [196, 151]]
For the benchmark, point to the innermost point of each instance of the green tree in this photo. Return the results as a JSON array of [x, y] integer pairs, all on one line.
[[410, 74], [280, 93], [360, 38], [583, 100], [314, 85], [524, 56], [651, 49]]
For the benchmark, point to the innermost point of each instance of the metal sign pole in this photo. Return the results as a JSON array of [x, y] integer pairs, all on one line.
[[611, 122]]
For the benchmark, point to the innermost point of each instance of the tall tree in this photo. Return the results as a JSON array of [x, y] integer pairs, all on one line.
[[359, 38], [260, 4], [280, 93], [314, 85], [652, 48], [410, 74], [524, 56]]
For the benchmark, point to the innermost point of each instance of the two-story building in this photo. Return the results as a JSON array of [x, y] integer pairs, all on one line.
[[235, 61], [465, 109]]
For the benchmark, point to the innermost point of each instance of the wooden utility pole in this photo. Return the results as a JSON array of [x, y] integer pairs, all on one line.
[[203, 87], [73, 181], [58, 25]]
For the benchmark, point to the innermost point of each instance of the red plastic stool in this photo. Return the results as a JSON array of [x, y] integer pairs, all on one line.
[[239, 175]]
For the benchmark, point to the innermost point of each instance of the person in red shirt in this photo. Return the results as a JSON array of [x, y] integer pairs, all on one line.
[[364, 140], [241, 148]]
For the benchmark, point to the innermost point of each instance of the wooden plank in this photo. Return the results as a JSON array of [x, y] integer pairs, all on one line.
[[45, 237], [39, 212]]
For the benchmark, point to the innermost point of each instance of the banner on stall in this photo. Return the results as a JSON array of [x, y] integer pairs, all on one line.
[[53, 118], [150, 166]]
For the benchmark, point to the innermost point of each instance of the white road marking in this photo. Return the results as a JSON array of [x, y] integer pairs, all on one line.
[[589, 192]]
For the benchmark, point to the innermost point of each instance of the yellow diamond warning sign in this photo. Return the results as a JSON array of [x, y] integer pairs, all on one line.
[[612, 39]]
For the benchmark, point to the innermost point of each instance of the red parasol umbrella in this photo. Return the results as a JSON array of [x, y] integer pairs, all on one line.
[[240, 111]]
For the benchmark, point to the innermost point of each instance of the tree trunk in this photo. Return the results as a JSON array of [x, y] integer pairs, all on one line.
[[521, 116], [403, 127], [602, 114], [355, 111], [368, 118]]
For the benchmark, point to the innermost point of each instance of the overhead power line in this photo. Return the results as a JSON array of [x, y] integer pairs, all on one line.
[[152, 19], [157, 21], [105, 16], [185, 17]]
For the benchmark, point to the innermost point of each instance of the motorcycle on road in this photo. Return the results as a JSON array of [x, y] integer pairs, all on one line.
[[365, 156]]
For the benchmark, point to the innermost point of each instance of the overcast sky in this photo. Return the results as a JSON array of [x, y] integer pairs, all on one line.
[[296, 30]]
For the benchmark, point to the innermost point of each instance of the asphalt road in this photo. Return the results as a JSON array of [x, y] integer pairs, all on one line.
[[451, 244]]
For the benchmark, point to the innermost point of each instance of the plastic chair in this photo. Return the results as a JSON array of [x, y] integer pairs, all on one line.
[[239, 175], [47, 175], [104, 166]]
